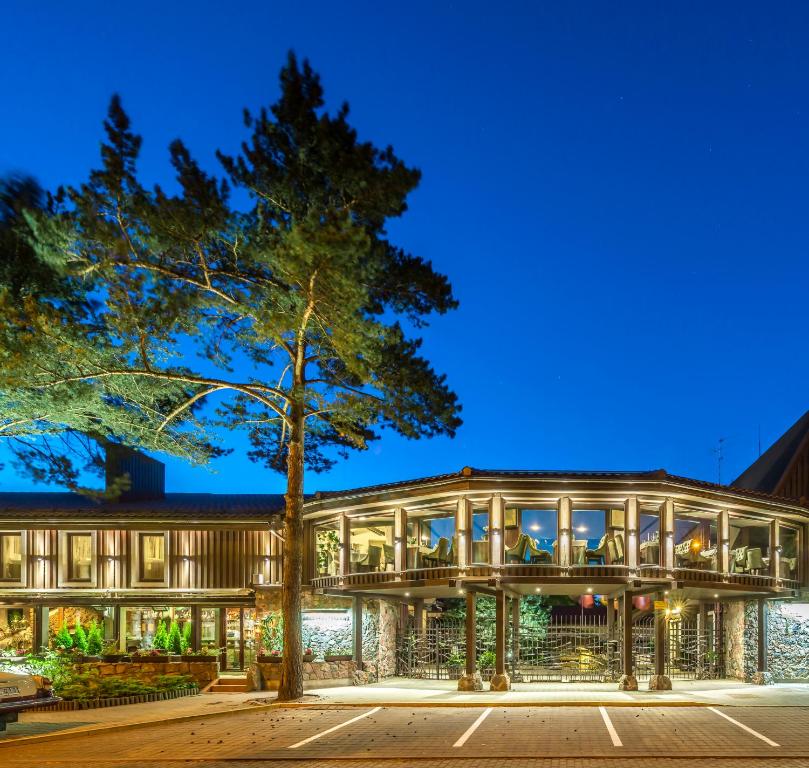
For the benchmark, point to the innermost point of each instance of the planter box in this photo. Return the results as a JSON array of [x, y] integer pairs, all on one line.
[[114, 658], [308, 656], [338, 657], [269, 659], [189, 657], [80, 659], [160, 658]]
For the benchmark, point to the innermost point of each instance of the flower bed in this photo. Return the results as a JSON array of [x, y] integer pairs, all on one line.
[[68, 706]]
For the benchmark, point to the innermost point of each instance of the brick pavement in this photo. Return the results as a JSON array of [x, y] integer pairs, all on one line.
[[537, 737]]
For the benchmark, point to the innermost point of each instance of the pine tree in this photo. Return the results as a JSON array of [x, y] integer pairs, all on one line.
[[95, 638], [304, 289], [161, 636], [186, 637], [80, 639], [62, 639], [174, 643]]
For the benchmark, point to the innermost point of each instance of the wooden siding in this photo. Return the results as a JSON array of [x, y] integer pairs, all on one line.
[[196, 559]]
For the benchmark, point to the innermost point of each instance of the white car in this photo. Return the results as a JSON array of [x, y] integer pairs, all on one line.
[[19, 692]]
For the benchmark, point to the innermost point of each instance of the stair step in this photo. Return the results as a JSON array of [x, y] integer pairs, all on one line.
[[230, 685]]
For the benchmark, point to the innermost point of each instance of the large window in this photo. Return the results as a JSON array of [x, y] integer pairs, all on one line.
[[327, 549], [790, 553], [431, 540], [480, 536], [372, 547], [11, 557], [80, 557], [695, 540], [590, 537], [152, 556], [531, 536], [649, 539], [749, 546]]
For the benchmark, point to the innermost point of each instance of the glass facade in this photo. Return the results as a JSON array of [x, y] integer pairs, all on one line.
[[695, 540], [749, 546], [531, 536], [480, 536], [327, 548], [371, 546], [790, 559], [649, 538], [431, 540], [16, 630]]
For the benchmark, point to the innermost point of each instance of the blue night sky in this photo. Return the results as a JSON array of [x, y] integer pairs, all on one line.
[[618, 192]]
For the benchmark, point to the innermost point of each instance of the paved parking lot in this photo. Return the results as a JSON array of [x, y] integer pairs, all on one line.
[[584, 736]]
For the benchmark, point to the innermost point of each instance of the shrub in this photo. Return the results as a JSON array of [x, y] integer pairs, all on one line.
[[80, 639], [487, 660], [175, 640], [62, 639], [95, 639], [161, 637], [185, 639]]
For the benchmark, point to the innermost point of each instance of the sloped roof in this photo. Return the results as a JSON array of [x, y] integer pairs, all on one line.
[[765, 474], [174, 506]]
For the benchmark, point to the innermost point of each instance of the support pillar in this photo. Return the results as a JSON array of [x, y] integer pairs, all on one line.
[[723, 559], [345, 545], [515, 635], [667, 535], [500, 680], [762, 675], [399, 541], [497, 516], [660, 681], [418, 614], [628, 681], [463, 533], [357, 627], [631, 521], [470, 680], [565, 523]]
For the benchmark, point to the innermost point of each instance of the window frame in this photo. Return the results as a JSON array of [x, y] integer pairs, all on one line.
[[136, 562], [22, 581], [65, 559]]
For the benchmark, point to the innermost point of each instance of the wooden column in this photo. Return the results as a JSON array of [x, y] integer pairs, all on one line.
[[667, 535], [500, 632], [515, 633], [775, 546], [660, 638], [357, 629], [404, 615], [275, 559], [463, 532], [418, 614], [762, 635], [564, 525], [497, 518], [196, 626], [471, 638], [400, 540], [723, 550], [626, 617], [610, 618], [631, 536], [345, 545]]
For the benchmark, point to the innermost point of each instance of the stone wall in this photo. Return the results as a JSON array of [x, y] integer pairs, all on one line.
[[316, 674], [787, 640], [203, 672]]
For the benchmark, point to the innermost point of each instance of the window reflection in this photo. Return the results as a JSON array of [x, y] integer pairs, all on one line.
[[649, 538], [431, 540], [371, 544], [790, 553], [695, 541], [749, 546]]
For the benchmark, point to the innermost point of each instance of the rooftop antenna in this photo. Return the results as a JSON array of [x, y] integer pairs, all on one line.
[[720, 456]]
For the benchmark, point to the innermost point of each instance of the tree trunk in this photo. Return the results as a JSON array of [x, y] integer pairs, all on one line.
[[291, 685]]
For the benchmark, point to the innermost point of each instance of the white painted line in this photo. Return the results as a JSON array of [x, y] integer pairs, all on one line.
[[616, 739], [472, 728], [335, 728], [745, 728]]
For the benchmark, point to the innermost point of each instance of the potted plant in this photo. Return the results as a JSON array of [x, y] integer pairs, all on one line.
[[273, 657], [308, 655], [154, 656], [206, 653], [339, 655], [112, 654]]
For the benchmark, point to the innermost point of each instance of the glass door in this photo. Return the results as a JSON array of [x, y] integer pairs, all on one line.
[[234, 632]]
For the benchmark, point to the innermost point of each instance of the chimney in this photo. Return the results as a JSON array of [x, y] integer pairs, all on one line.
[[147, 476]]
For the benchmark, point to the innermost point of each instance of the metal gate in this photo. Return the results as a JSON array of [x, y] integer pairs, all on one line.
[[693, 651]]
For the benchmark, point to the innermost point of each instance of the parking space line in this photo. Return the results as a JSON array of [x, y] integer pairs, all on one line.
[[335, 728], [616, 739], [745, 727], [472, 728]]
